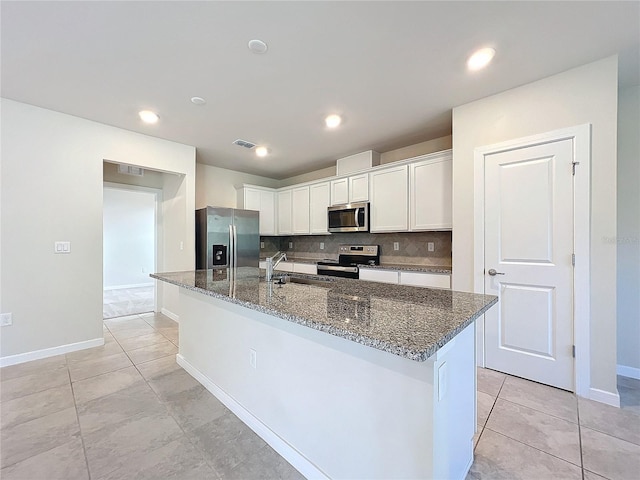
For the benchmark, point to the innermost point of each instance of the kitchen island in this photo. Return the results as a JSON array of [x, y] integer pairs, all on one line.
[[344, 378]]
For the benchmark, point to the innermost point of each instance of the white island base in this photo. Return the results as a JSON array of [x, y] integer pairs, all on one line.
[[331, 407]]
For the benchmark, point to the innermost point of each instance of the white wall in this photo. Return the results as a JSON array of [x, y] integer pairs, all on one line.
[[628, 238], [587, 94], [129, 223], [52, 188], [215, 186]]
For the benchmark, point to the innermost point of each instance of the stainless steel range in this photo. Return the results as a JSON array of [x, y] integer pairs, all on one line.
[[350, 256]]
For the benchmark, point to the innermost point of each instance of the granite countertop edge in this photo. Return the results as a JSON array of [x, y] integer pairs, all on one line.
[[411, 354]]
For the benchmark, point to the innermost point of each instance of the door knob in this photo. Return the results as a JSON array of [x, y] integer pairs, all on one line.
[[493, 273]]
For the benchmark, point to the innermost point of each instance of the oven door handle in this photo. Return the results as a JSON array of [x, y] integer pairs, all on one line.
[[338, 269]]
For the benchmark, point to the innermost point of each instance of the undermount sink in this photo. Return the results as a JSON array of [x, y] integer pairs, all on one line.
[[303, 281]]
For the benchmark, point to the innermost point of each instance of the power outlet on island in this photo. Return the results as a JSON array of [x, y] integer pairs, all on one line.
[[396, 245], [253, 358], [5, 319]]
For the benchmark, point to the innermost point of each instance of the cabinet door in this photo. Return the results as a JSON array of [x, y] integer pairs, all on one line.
[[319, 200], [340, 191], [359, 188], [251, 199], [431, 195], [284, 213], [300, 209], [267, 213], [389, 210]]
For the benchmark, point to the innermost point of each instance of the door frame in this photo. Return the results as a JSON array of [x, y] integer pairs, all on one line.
[[157, 228], [581, 138]]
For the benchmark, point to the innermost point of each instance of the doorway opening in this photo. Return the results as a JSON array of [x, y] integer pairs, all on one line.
[[130, 248]]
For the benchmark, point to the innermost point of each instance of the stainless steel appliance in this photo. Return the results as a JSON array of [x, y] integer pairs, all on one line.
[[353, 217], [350, 256], [227, 237]]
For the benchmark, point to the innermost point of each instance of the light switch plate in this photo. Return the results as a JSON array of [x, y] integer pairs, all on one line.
[[321, 245], [430, 246], [396, 245], [261, 244], [290, 244], [62, 247]]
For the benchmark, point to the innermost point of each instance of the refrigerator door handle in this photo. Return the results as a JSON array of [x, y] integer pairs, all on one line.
[[232, 247], [235, 247]]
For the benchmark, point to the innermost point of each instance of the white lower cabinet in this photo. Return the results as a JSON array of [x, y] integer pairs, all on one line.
[[416, 279], [375, 275], [308, 268], [423, 279]]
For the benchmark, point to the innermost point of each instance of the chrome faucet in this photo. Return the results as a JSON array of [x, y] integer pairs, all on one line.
[[272, 263]]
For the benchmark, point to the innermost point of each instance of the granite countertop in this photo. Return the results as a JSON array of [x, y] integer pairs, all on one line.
[[410, 268], [411, 322], [383, 266]]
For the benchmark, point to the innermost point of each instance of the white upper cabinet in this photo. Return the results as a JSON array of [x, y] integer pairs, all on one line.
[[351, 189], [389, 210], [300, 210], [319, 200], [262, 200], [430, 190], [340, 191], [359, 188], [285, 223]]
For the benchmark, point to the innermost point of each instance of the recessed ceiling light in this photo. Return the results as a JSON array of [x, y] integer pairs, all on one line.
[[257, 46], [480, 58], [262, 151], [332, 121], [198, 100], [147, 116]]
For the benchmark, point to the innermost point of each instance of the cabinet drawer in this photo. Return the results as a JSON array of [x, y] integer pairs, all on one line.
[[308, 268], [432, 280], [384, 276]]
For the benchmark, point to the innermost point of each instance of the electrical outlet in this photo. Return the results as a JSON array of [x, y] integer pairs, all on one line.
[[290, 244], [321, 245], [396, 245], [261, 244], [253, 357], [430, 246], [6, 319], [181, 245]]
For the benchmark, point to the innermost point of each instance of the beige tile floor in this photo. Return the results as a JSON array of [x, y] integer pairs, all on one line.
[[531, 431], [128, 411]]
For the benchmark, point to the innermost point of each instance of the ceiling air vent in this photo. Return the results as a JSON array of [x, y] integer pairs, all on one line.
[[244, 143]]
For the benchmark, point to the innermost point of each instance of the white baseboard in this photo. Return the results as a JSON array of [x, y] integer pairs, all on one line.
[[630, 372], [602, 396], [170, 314], [289, 453], [133, 285], [49, 352]]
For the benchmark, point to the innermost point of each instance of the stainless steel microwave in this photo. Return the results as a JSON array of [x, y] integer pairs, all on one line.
[[353, 217]]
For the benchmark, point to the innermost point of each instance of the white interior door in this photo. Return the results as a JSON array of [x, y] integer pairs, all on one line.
[[528, 262]]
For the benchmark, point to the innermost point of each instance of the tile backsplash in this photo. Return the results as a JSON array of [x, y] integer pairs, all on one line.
[[413, 247]]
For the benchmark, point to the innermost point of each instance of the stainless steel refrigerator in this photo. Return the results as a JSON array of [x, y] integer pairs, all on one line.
[[227, 237]]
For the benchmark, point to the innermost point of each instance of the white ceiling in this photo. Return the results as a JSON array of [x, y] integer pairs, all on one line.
[[393, 69]]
